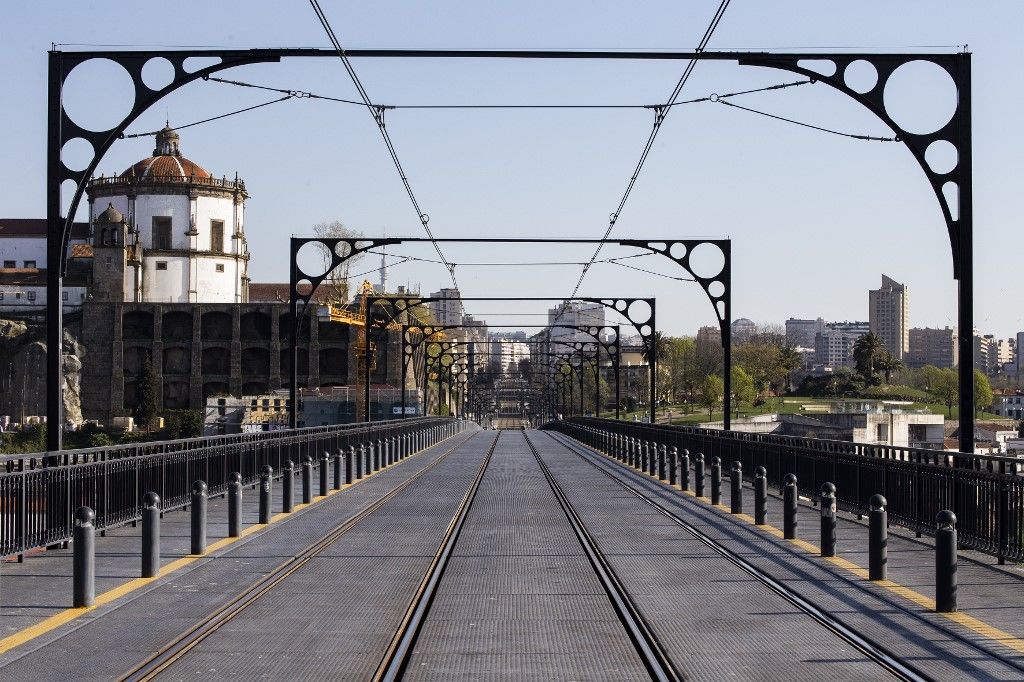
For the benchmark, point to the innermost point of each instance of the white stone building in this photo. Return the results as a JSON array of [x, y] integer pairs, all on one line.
[[166, 231], [23, 265]]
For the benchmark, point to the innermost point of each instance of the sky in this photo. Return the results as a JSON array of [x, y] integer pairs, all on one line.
[[815, 219]]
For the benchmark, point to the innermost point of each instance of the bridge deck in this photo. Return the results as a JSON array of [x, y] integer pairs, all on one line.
[[518, 598]]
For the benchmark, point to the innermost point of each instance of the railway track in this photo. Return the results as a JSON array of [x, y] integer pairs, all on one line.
[[178, 648], [895, 665], [651, 651]]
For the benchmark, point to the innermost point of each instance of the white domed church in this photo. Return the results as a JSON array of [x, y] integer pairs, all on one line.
[[166, 231]]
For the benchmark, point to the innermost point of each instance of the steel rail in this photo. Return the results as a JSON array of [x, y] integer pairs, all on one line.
[[916, 615], [880, 654], [185, 642], [654, 656], [393, 664]]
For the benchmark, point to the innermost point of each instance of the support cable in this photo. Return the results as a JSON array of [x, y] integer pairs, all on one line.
[[854, 136], [125, 136], [659, 119], [378, 116]]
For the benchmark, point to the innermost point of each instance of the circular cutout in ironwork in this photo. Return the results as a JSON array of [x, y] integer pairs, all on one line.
[[646, 330], [716, 288], [706, 260], [677, 250], [157, 73], [314, 259], [639, 312], [98, 94], [941, 156], [920, 97], [77, 153], [304, 287], [860, 76]]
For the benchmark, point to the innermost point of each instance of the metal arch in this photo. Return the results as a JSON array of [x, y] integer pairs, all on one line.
[[960, 234], [959, 219]]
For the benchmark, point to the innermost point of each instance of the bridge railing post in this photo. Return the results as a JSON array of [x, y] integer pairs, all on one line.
[[698, 474], [878, 539], [307, 479], [84, 559], [150, 535], [716, 480], [760, 496], [828, 520], [662, 461], [945, 562], [288, 486], [266, 487], [736, 488], [198, 525], [789, 507], [234, 504], [325, 464], [672, 464], [684, 470], [338, 457]]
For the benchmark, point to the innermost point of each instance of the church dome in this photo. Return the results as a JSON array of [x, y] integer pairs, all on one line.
[[110, 216], [166, 161]]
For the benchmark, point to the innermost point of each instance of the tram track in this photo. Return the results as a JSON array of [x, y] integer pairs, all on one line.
[[396, 658], [180, 646], [894, 664], [646, 643]]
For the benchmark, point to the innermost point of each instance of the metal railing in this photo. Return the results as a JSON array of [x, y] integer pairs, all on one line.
[[37, 502], [985, 492]]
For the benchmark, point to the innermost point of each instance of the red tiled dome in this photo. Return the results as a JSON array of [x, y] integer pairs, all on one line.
[[167, 161], [166, 167]]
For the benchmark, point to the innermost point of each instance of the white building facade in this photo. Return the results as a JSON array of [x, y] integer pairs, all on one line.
[[184, 237]]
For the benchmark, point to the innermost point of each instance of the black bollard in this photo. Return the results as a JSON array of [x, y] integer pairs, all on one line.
[[760, 496], [359, 455], [389, 445], [234, 504], [307, 479], [198, 545], [736, 488], [325, 463], [684, 470], [673, 459], [652, 459], [945, 562], [338, 456], [378, 451], [878, 538], [698, 474], [288, 487], [150, 535], [350, 462], [84, 559], [266, 481], [828, 519], [716, 480], [662, 462], [789, 507]]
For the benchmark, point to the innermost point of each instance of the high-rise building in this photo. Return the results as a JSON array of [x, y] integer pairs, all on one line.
[[801, 333], [577, 314], [450, 310], [833, 345], [936, 347], [889, 315]]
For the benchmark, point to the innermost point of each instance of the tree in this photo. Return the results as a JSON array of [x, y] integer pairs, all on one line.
[[710, 393], [983, 396], [789, 360], [659, 344], [145, 409], [743, 392], [945, 387], [868, 350], [889, 363]]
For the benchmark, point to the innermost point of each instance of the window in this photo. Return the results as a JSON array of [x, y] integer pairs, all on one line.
[[29, 264], [161, 265], [64, 295], [17, 296], [10, 264], [161, 232], [1, 295], [110, 260], [31, 295], [217, 236], [220, 267]]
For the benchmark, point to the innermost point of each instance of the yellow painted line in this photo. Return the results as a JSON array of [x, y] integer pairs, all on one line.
[[68, 615], [976, 625]]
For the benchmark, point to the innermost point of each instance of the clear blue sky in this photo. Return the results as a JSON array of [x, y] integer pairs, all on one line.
[[816, 219]]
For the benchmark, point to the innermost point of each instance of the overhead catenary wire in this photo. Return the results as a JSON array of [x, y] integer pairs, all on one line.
[[378, 116], [855, 136], [659, 118], [125, 136]]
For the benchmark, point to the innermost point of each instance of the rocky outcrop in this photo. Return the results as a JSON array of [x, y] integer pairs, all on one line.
[[23, 372]]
